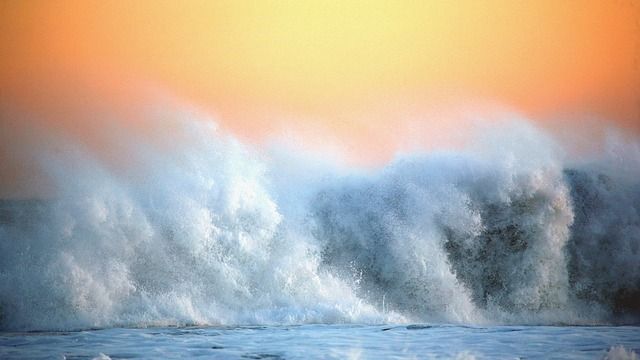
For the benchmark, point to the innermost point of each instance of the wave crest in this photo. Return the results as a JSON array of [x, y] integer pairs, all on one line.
[[209, 231]]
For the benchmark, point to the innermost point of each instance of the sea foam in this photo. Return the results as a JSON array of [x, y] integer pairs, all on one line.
[[212, 231]]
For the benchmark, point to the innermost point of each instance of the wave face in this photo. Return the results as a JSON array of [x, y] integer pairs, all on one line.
[[209, 231]]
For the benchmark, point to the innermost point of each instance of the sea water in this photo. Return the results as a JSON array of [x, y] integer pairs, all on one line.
[[329, 342], [210, 232]]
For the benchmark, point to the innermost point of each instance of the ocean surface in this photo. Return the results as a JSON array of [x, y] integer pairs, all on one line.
[[330, 342]]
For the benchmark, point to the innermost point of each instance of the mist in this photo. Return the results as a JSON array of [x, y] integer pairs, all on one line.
[[172, 220]]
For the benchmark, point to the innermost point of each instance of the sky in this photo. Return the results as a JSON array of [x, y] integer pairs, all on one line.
[[365, 74]]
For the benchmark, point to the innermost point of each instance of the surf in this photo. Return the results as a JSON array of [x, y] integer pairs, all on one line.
[[212, 231]]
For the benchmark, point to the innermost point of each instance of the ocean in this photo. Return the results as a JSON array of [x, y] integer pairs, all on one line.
[[330, 342], [211, 247]]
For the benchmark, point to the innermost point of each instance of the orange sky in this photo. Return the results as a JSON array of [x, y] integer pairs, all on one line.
[[353, 70]]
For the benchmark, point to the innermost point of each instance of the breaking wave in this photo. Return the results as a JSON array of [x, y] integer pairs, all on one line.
[[211, 231]]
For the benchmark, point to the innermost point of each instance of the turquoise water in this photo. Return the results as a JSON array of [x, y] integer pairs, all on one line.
[[327, 341]]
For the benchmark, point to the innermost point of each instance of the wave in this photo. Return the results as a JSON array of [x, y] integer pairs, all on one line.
[[211, 231]]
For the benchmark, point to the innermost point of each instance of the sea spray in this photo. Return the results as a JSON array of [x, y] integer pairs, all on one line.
[[448, 236], [207, 230], [191, 238]]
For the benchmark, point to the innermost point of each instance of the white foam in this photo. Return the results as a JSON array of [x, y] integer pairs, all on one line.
[[210, 231], [619, 352]]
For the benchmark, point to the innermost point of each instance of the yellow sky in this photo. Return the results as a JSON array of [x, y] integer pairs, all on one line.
[[353, 68]]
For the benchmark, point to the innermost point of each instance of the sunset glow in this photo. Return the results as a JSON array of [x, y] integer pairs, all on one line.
[[353, 70]]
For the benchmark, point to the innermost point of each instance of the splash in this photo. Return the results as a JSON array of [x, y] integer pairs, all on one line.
[[620, 353], [211, 231]]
